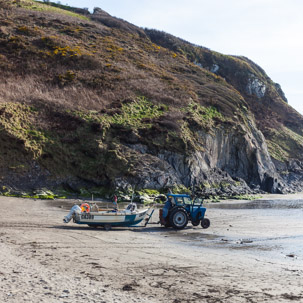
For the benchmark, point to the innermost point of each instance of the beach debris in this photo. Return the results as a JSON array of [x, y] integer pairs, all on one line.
[[130, 286], [241, 241], [291, 297], [246, 241], [127, 287]]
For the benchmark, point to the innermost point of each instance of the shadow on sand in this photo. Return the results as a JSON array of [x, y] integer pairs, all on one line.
[[148, 229]]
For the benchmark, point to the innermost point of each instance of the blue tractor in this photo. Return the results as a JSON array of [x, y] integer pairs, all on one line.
[[180, 209]]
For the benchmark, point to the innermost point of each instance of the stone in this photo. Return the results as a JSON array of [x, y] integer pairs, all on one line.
[[280, 92], [215, 68], [255, 87]]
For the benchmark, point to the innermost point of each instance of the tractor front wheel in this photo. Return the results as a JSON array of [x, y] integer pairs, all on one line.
[[178, 218], [195, 222], [205, 223]]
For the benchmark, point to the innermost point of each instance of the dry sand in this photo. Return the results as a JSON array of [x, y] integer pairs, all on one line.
[[247, 255]]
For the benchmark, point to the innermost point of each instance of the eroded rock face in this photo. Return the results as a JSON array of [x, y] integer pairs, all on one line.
[[226, 156], [198, 64], [256, 87], [215, 68], [99, 11], [150, 171], [280, 92], [292, 174]]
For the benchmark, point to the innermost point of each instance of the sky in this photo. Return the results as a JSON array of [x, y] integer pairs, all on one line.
[[269, 32]]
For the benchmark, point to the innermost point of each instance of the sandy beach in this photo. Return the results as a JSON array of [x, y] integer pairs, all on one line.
[[247, 255]]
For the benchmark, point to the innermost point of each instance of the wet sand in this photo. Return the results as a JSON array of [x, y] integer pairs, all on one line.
[[247, 255]]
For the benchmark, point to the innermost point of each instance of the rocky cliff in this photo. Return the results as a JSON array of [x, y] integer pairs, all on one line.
[[91, 101]]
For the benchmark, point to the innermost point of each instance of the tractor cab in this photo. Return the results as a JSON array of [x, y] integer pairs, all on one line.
[[179, 209]]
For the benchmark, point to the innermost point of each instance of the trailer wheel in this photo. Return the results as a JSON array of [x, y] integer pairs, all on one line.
[[107, 227], [205, 223], [92, 225], [178, 218]]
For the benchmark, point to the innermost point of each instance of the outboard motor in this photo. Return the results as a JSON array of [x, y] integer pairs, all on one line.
[[74, 210]]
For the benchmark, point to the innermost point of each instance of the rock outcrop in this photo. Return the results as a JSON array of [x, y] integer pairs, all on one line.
[[225, 156], [256, 87]]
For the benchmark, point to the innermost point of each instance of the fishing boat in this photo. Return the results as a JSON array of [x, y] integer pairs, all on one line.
[[94, 216]]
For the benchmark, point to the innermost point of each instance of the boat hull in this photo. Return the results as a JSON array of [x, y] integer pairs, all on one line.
[[122, 219]]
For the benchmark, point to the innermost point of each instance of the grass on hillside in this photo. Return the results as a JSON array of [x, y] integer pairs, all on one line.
[[44, 7], [135, 114], [284, 144]]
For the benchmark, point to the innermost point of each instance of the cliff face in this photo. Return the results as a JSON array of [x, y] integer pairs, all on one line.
[[88, 100], [226, 156]]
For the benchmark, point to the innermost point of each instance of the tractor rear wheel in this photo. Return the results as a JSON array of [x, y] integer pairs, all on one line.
[[205, 223], [167, 225], [178, 218]]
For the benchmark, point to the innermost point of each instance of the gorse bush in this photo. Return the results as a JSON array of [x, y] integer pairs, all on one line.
[[52, 43], [66, 78], [67, 51]]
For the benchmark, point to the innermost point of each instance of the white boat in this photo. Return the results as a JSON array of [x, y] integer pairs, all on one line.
[[107, 218]]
